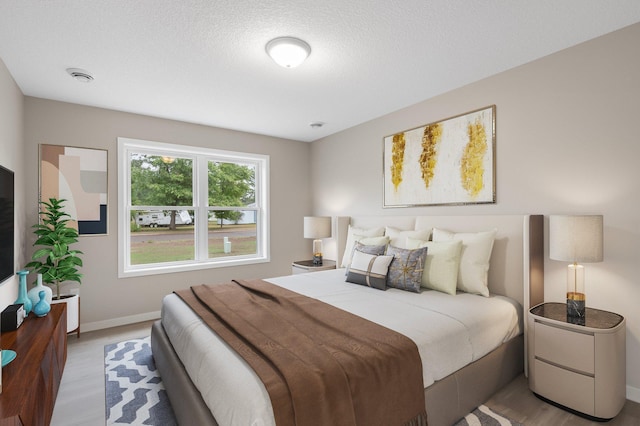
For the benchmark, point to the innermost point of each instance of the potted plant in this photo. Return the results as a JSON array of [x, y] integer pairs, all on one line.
[[55, 259]]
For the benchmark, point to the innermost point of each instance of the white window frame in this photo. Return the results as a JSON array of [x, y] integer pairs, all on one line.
[[201, 157]]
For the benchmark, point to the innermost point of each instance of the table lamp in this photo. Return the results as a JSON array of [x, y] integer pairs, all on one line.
[[575, 239], [317, 228]]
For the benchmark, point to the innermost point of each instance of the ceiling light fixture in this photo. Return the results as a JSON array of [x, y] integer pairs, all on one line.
[[80, 75], [288, 52], [316, 124]]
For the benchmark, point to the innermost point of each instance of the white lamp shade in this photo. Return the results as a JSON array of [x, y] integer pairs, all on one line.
[[576, 238], [317, 227], [288, 52]]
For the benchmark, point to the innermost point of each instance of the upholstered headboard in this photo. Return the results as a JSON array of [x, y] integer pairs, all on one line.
[[517, 266]]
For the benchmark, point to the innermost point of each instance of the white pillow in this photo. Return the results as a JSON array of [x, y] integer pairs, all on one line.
[[442, 264], [474, 259], [348, 249], [398, 237]]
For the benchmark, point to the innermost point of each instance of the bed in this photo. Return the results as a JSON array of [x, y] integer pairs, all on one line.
[[481, 357]]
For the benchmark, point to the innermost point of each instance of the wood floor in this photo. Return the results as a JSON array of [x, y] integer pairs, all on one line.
[[518, 403], [81, 398]]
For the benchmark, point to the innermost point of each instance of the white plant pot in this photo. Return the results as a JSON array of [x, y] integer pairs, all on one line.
[[73, 310]]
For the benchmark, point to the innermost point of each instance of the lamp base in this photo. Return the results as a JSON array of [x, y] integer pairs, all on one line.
[[575, 305], [317, 259]]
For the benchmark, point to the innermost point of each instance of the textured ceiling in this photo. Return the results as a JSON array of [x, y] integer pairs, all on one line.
[[203, 61]]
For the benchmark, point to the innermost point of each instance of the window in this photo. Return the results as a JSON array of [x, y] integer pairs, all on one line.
[[184, 208]]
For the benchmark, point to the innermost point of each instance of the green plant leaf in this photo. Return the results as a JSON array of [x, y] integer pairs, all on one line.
[[41, 253], [54, 258]]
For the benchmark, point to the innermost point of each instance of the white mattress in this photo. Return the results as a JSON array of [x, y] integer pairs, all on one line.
[[450, 332]]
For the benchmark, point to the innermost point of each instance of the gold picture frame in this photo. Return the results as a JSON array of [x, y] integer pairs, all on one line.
[[448, 162]]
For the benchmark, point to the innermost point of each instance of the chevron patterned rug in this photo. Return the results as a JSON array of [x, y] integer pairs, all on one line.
[[484, 416], [134, 391]]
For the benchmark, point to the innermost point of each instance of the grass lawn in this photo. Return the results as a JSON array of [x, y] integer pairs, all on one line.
[[158, 249]]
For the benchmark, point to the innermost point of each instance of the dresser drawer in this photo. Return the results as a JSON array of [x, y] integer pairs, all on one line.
[[570, 389], [564, 347]]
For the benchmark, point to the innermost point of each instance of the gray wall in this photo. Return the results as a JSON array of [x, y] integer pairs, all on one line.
[[11, 157], [107, 300], [567, 143]]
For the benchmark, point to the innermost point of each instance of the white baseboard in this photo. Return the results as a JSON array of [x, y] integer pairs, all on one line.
[[132, 319], [633, 394]]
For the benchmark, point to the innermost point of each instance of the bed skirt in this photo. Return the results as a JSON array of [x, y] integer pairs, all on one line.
[[447, 400]]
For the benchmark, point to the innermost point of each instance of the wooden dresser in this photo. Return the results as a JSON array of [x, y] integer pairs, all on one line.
[[30, 382]]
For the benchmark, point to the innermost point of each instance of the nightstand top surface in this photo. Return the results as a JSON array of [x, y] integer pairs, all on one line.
[[594, 318], [309, 263]]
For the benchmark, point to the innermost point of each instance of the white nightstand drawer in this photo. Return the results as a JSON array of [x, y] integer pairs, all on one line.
[[570, 389], [565, 347], [297, 270]]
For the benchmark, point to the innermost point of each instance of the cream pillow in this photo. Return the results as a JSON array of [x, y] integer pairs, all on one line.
[[442, 264], [348, 249], [474, 258], [398, 237]]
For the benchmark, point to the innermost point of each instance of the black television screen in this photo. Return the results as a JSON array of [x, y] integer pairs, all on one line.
[[6, 224]]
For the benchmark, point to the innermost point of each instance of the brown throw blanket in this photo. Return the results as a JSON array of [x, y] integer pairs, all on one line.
[[320, 364]]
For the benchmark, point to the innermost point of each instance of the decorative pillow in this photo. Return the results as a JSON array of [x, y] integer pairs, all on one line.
[[367, 241], [406, 269], [474, 259], [348, 249], [369, 269], [441, 265], [398, 237], [369, 249]]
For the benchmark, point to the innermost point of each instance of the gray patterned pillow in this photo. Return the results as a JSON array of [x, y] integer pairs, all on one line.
[[405, 272], [365, 248]]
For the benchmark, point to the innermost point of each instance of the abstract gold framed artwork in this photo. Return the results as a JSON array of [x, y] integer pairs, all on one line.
[[78, 175], [442, 163]]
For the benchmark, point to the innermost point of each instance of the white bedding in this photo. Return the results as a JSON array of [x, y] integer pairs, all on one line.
[[450, 332]]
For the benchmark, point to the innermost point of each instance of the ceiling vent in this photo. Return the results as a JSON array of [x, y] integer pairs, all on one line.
[[80, 75]]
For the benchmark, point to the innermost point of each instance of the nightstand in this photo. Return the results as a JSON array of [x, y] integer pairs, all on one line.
[[578, 366], [304, 266]]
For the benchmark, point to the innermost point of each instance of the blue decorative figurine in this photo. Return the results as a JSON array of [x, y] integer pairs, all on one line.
[[42, 308], [23, 299]]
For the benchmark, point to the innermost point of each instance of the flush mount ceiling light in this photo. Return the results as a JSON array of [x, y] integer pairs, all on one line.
[[288, 52], [80, 75]]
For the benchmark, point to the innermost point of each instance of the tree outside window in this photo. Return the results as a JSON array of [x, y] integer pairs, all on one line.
[[190, 207]]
